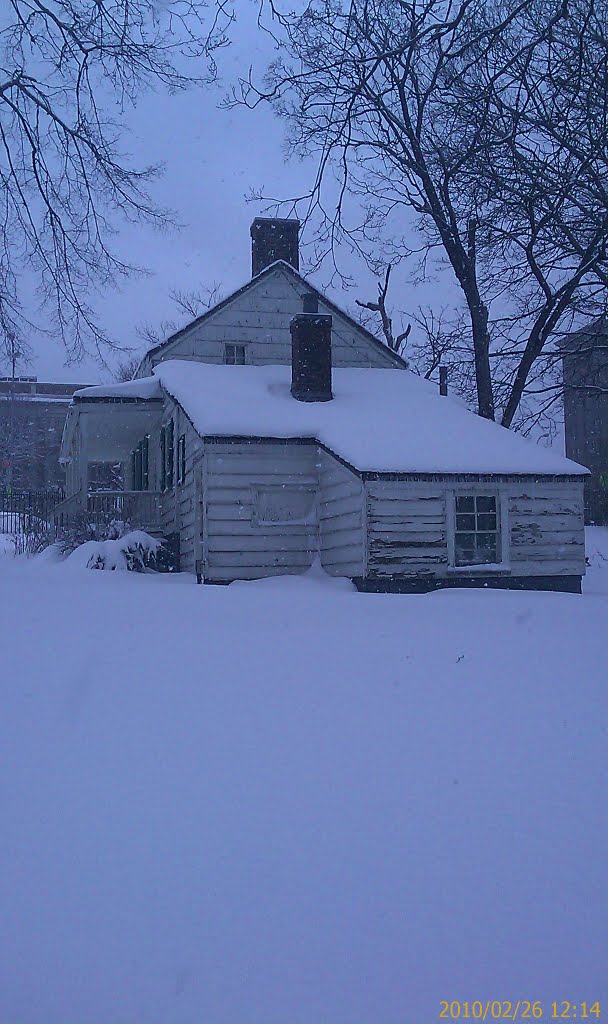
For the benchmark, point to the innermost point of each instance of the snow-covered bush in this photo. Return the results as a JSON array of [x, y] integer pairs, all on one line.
[[33, 541], [135, 552], [83, 529]]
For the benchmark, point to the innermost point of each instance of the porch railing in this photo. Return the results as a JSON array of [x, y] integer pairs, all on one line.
[[65, 512], [141, 509]]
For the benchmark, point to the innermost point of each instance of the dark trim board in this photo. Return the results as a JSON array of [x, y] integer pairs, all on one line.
[[284, 442], [114, 400], [482, 478], [421, 585], [418, 585]]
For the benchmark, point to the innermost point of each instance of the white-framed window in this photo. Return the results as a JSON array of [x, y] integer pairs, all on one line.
[[278, 505], [477, 534], [235, 355]]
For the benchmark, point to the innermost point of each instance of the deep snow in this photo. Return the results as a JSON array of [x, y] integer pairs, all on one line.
[[289, 802]]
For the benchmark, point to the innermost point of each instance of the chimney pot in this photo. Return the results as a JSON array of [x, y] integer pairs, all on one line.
[[310, 303], [274, 239]]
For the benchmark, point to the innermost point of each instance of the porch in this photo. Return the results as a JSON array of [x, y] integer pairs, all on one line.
[[111, 432]]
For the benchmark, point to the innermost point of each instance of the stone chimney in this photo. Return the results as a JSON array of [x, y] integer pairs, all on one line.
[[274, 239], [311, 353]]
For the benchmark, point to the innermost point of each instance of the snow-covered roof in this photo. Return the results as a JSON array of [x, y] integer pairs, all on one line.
[[380, 420], [145, 388]]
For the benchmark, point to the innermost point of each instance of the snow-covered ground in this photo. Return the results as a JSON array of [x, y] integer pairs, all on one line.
[[289, 803]]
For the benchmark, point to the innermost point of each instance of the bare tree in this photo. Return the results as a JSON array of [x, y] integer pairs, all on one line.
[[16, 444], [127, 368], [69, 69], [488, 121], [197, 301], [192, 303], [396, 342]]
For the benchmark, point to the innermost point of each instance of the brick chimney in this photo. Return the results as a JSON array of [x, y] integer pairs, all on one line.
[[274, 239], [311, 353]]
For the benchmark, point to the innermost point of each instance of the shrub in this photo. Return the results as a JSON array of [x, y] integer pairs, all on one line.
[[135, 551], [83, 529]]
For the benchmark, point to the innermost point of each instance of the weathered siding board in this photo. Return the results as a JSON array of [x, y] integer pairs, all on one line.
[[342, 540], [546, 527], [406, 525], [237, 545], [259, 318]]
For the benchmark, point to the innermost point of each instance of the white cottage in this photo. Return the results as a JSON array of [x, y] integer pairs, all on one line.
[[275, 430]]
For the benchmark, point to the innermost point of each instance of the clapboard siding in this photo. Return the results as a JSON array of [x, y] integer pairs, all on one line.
[[236, 545], [259, 318], [407, 525], [546, 527], [341, 519]]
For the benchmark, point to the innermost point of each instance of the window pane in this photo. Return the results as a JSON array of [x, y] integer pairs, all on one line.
[[465, 503], [487, 522], [465, 548], [239, 354], [465, 522], [486, 547], [229, 355], [485, 503]]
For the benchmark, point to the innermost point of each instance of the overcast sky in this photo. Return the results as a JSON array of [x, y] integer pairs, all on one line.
[[212, 158]]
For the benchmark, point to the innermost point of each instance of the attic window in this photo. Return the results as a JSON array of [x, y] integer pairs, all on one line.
[[477, 530], [235, 355]]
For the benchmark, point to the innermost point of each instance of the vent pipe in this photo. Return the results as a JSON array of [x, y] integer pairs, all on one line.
[[443, 380]]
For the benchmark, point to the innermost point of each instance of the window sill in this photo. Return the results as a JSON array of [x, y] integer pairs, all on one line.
[[489, 569]]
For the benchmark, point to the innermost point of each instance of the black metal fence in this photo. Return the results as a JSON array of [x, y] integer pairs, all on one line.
[[28, 511]]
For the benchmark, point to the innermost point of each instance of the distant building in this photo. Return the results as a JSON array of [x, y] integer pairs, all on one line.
[[585, 360], [32, 416]]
